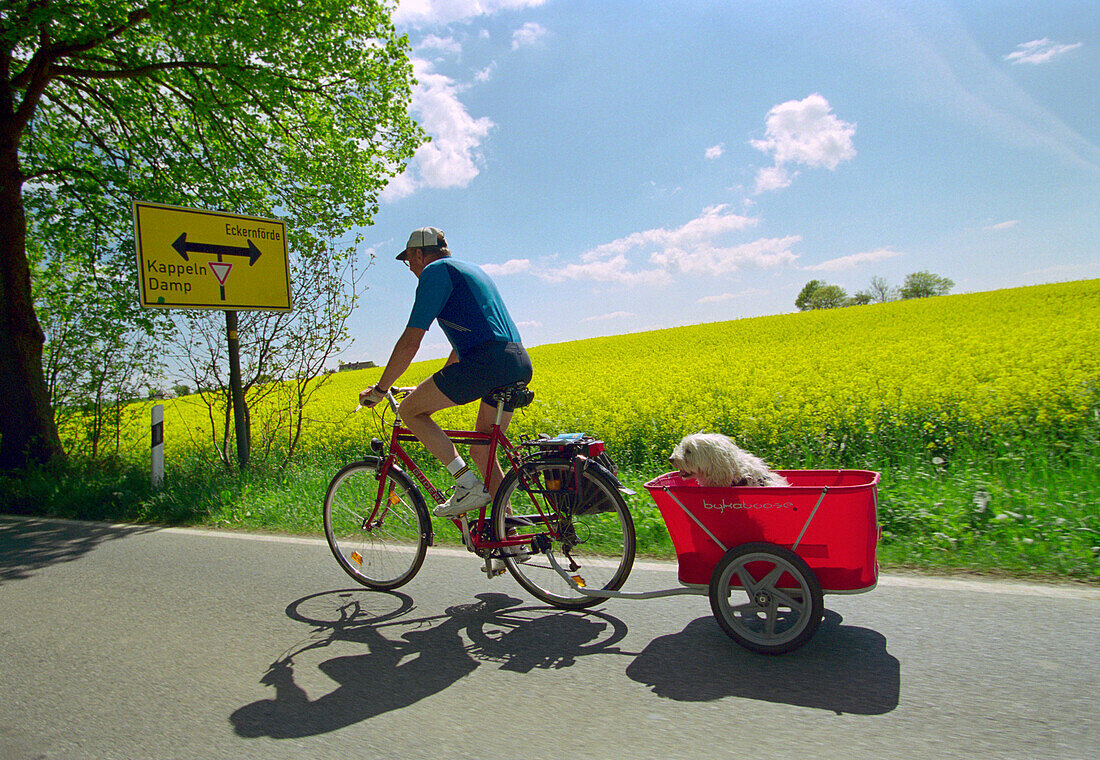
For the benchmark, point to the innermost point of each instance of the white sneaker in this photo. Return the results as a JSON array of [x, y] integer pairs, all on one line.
[[463, 500]]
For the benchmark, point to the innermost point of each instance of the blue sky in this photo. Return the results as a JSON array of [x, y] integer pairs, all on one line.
[[625, 166]]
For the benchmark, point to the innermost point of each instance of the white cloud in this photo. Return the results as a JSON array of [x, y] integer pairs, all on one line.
[[710, 260], [531, 324], [730, 296], [486, 73], [803, 132], [853, 261], [715, 151], [527, 35], [401, 186], [420, 13], [616, 269], [1039, 51], [442, 44], [1003, 225], [605, 317], [772, 178], [513, 266], [452, 157], [699, 247], [714, 221]]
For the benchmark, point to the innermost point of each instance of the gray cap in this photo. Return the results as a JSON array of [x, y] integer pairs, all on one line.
[[425, 237]]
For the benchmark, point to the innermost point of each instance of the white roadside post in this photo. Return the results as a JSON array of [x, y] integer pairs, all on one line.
[[158, 446]]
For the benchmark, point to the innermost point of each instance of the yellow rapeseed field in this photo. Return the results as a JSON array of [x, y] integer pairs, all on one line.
[[935, 373]]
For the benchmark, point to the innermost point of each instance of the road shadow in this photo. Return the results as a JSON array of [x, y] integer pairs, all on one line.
[[843, 668], [29, 544], [407, 658]]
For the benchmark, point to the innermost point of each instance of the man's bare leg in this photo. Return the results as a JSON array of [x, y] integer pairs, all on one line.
[[486, 416], [416, 412]]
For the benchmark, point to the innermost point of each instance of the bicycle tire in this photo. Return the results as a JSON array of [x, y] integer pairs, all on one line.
[[776, 604], [600, 540], [389, 553]]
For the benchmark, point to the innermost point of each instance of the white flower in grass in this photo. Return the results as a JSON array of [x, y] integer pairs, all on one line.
[[981, 500]]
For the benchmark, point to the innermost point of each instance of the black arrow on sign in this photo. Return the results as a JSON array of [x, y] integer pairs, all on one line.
[[183, 248]]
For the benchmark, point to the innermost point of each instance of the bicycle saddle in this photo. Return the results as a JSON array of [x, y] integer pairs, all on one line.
[[518, 393]]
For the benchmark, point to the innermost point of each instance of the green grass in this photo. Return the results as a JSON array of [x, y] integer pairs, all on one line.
[[1027, 511], [981, 411]]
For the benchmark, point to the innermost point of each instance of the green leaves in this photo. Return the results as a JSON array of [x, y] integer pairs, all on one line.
[[260, 107], [250, 106]]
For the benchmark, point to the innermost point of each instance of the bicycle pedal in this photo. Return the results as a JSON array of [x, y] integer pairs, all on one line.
[[493, 572]]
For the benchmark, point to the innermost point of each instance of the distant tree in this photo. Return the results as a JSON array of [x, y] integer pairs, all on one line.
[[925, 285], [181, 389], [880, 291], [807, 294], [862, 298], [828, 297]]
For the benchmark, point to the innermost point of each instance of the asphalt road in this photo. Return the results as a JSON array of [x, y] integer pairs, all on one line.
[[122, 642]]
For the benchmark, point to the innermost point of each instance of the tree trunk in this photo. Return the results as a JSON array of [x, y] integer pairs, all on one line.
[[28, 433]]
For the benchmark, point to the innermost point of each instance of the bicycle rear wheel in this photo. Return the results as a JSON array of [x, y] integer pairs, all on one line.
[[379, 542], [595, 533]]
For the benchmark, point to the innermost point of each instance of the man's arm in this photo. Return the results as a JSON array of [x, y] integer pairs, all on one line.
[[404, 351]]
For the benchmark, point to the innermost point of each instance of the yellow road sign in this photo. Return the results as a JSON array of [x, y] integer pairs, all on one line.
[[194, 259]]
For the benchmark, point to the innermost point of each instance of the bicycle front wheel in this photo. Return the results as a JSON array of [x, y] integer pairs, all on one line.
[[594, 533], [379, 536]]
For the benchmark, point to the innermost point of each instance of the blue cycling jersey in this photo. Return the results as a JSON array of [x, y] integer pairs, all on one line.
[[465, 302]]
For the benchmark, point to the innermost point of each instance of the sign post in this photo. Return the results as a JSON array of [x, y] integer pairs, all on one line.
[[195, 259], [240, 411], [156, 447]]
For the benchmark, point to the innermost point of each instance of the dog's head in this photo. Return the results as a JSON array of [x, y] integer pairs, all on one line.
[[687, 457], [680, 456], [710, 458]]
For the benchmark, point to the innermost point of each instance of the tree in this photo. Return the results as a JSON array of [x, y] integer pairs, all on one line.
[[862, 298], [101, 347], [880, 291], [925, 285], [296, 110], [828, 297], [803, 302]]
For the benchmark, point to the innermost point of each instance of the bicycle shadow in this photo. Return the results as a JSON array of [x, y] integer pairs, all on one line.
[[422, 656], [844, 669]]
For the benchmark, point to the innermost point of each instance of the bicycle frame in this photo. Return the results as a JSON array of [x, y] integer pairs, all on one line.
[[473, 536]]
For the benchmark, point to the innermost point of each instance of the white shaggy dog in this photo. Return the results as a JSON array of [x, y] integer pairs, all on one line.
[[715, 460]]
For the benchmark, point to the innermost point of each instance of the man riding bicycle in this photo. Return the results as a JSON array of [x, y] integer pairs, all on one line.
[[486, 353]]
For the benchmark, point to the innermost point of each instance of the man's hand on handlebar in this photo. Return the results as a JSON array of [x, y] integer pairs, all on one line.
[[371, 396]]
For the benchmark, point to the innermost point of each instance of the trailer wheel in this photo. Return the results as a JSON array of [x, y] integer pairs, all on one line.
[[766, 598]]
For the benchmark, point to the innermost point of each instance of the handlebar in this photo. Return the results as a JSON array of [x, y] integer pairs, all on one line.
[[394, 393]]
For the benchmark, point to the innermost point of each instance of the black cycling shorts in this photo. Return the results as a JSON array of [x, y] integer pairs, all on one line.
[[484, 368]]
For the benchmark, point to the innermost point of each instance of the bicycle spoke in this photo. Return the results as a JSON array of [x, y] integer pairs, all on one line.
[[596, 546], [747, 581], [379, 545], [771, 579]]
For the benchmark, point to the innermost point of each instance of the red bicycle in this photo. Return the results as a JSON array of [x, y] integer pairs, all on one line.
[[557, 493]]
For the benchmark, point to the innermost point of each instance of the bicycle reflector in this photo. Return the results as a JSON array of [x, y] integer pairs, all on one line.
[[595, 448]]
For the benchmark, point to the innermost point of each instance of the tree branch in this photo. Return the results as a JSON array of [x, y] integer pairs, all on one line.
[[138, 72]]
